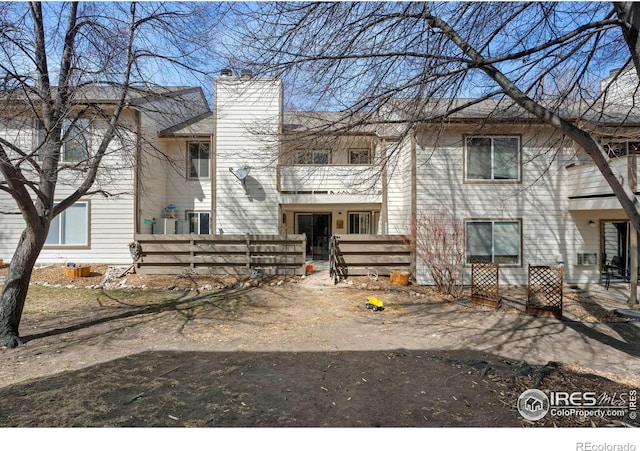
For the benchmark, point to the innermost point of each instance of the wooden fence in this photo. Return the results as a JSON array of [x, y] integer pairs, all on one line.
[[221, 254], [357, 255]]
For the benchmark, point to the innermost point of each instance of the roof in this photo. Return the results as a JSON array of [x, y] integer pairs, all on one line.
[[338, 122], [136, 95], [463, 110], [201, 125]]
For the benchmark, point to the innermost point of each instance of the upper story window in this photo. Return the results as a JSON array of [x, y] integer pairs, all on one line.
[[360, 156], [492, 158], [621, 148], [75, 140], [71, 227], [199, 160], [312, 157]]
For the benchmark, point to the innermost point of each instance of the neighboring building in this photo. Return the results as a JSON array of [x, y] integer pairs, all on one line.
[[526, 193], [98, 228]]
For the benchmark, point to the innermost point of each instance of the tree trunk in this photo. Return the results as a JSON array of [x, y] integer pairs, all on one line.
[[16, 285]]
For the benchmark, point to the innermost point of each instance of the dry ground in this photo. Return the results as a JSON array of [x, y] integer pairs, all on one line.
[[226, 351]]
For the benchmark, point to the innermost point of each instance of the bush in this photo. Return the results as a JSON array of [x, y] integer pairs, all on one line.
[[438, 239]]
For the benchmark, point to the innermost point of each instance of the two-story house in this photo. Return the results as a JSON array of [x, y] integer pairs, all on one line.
[[526, 194]]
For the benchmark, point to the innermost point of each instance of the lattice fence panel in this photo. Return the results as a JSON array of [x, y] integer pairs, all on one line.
[[484, 283], [545, 291]]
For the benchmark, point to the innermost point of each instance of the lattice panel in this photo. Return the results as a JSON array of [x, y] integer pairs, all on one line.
[[484, 281], [545, 288]]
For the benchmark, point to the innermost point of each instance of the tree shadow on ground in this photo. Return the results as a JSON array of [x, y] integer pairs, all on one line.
[[395, 388], [617, 333], [182, 303]]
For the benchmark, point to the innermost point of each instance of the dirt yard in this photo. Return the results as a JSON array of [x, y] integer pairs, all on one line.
[[229, 352]]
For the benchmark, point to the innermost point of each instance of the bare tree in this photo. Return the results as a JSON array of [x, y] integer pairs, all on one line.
[[438, 239], [544, 58], [65, 68]]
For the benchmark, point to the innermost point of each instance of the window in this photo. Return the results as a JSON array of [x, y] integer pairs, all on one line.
[[359, 156], [71, 227], [38, 136], [621, 148], [493, 158], [312, 157], [75, 140], [199, 157], [493, 241], [360, 222], [198, 222]]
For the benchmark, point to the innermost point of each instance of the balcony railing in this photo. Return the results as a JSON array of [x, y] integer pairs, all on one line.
[[330, 179], [585, 180]]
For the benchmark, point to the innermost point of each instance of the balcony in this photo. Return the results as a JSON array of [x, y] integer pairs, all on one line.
[[330, 179], [588, 190]]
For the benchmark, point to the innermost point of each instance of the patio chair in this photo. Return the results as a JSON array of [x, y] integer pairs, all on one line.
[[615, 270]]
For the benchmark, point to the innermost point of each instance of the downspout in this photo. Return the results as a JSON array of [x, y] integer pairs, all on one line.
[[136, 175], [214, 184], [384, 213], [632, 175], [414, 197], [214, 164]]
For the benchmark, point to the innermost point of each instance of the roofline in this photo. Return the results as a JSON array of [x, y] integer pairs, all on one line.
[[173, 130], [171, 92], [149, 97]]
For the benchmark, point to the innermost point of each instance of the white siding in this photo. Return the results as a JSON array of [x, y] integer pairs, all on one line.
[[247, 128], [111, 221], [157, 161], [399, 178], [549, 235], [186, 194]]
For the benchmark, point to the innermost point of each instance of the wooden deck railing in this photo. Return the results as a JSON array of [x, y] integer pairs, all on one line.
[[353, 255], [221, 254]]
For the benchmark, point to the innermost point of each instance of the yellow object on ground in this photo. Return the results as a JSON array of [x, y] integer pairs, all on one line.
[[374, 303]]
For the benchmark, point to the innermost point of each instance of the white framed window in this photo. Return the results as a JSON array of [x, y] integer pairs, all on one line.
[[71, 227], [38, 136], [360, 222], [319, 157], [75, 140], [199, 222], [495, 241], [360, 156], [492, 158], [199, 160]]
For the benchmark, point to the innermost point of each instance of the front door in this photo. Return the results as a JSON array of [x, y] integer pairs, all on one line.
[[317, 227]]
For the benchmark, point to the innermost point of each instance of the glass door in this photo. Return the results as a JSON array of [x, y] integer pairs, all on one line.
[[615, 246], [317, 227]]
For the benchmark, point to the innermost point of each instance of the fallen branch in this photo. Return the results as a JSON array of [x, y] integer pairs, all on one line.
[[138, 396]]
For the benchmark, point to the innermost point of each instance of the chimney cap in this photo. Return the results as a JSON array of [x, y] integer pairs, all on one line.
[[226, 72], [246, 73]]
